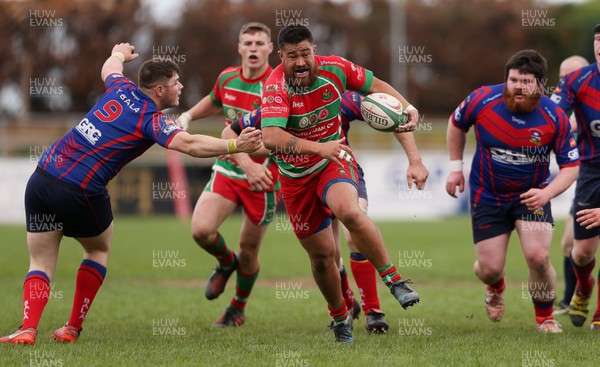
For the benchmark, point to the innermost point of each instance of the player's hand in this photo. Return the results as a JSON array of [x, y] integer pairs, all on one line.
[[259, 177], [534, 198], [127, 50], [418, 173], [336, 150], [588, 218], [249, 140], [183, 121], [413, 117], [456, 178]]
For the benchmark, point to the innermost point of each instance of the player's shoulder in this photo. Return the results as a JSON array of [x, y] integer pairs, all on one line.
[[486, 94], [330, 61], [115, 78], [578, 77], [230, 72]]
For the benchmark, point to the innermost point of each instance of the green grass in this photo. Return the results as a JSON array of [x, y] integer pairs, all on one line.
[[141, 301]]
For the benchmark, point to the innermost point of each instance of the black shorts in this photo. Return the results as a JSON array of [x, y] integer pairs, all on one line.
[[362, 185], [587, 196], [491, 221], [53, 205]]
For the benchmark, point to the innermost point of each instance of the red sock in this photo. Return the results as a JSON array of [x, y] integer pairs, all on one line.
[[89, 279], [543, 310], [339, 314], [498, 286], [346, 290], [583, 273], [36, 292], [366, 280]]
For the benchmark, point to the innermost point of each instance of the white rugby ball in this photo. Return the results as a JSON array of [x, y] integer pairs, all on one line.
[[382, 112]]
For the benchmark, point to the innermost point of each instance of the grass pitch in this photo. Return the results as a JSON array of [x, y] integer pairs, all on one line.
[[151, 310]]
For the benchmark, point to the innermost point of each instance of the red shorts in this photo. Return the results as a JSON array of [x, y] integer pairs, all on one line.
[[304, 197], [259, 207]]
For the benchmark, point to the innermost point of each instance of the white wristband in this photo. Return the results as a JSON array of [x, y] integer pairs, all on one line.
[[185, 119], [456, 165], [409, 108]]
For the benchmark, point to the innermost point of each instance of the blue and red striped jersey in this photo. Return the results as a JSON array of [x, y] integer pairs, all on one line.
[[579, 91], [121, 126], [513, 149]]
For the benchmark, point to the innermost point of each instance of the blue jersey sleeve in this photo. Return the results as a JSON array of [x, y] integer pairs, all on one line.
[[565, 146], [350, 106], [251, 119], [563, 96], [465, 114], [161, 129]]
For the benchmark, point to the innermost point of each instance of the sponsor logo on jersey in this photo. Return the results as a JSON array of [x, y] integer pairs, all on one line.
[[573, 154], [278, 99], [303, 122], [270, 99], [231, 114], [323, 114], [271, 88], [229, 97], [312, 119], [517, 120], [169, 128], [297, 104], [508, 156], [535, 137], [89, 131], [595, 128], [572, 142]]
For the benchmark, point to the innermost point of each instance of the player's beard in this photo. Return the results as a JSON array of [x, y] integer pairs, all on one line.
[[529, 103], [297, 85]]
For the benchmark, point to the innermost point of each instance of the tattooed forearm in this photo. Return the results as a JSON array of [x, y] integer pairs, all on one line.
[[292, 142]]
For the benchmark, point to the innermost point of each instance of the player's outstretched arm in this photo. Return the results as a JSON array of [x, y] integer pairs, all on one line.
[[455, 140], [416, 171], [281, 142], [258, 176], [379, 86], [121, 53], [204, 146], [204, 108]]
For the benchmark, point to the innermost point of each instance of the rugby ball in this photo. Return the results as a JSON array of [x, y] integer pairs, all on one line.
[[382, 112]]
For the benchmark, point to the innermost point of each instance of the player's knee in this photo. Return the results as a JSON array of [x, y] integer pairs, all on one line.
[[321, 262], [489, 273], [538, 262], [350, 216], [247, 255], [204, 236]]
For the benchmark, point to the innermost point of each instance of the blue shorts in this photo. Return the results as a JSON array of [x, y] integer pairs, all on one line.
[[587, 196], [52, 205], [362, 185], [491, 221]]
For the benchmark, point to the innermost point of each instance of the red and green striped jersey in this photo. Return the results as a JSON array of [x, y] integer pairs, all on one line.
[[311, 113], [238, 96]]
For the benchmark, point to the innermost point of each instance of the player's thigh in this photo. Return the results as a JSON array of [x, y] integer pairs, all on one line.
[[342, 198], [566, 242], [320, 245], [97, 247], [210, 211], [491, 252], [535, 238]]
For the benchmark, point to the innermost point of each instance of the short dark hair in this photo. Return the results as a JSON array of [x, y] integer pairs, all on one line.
[[293, 34], [152, 73], [527, 62], [254, 27]]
